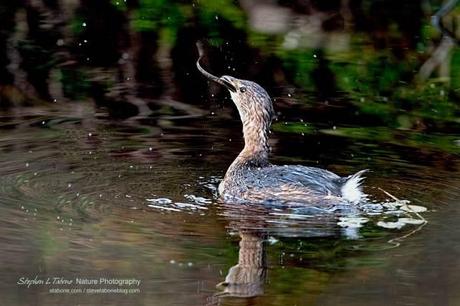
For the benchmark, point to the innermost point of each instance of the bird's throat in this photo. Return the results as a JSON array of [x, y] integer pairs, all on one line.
[[256, 146]]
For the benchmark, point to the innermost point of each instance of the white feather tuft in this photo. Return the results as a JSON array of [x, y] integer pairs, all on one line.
[[352, 189]]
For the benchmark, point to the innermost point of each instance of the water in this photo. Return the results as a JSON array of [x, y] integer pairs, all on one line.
[[81, 196], [112, 146]]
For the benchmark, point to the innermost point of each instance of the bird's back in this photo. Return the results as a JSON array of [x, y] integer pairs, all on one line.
[[287, 184]]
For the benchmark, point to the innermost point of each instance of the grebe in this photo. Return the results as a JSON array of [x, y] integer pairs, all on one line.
[[252, 179]]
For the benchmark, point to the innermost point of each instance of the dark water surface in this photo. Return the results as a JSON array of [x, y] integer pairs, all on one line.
[[112, 146], [76, 188]]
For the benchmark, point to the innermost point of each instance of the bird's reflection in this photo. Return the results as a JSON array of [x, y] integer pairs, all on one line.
[[247, 277], [254, 224]]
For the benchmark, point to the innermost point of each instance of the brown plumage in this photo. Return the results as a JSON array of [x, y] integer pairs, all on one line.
[[252, 179]]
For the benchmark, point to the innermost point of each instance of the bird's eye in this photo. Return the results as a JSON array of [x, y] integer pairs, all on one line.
[[243, 89]]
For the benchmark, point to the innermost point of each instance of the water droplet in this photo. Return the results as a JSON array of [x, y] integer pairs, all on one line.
[[150, 149], [90, 134], [84, 24], [160, 201], [414, 208], [27, 164]]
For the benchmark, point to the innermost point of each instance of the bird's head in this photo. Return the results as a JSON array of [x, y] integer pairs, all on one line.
[[255, 108], [249, 97]]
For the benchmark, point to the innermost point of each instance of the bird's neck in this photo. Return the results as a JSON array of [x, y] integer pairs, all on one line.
[[256, 148], [255, 133]]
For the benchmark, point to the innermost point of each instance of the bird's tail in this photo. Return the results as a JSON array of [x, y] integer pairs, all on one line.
[[352, 189]]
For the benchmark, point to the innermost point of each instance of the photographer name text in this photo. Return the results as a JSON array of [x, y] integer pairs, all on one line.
[[44, 281]]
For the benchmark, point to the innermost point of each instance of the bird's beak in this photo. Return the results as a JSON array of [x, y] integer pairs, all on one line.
[[228, 82], [224, 80]]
